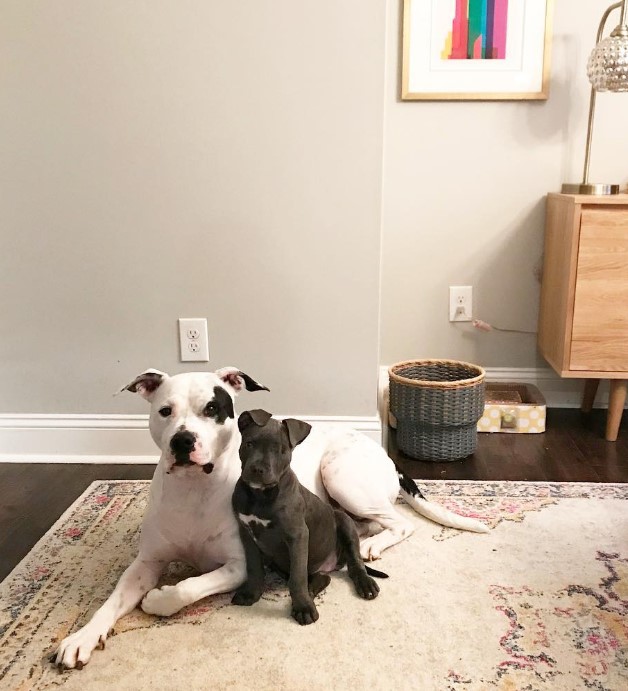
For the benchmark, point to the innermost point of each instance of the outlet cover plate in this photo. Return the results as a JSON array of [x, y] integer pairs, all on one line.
[[460, 303], [193, 340]]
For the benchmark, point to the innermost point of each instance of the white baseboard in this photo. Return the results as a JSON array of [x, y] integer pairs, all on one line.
[[41, 438]]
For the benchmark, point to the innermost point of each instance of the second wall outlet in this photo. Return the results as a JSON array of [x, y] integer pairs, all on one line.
[[460, 303], [193, 340]]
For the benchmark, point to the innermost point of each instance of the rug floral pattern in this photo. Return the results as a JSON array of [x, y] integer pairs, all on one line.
[[571, 634], [593, 622]]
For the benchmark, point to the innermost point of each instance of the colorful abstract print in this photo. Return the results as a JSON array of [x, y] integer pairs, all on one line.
[[478, 31]]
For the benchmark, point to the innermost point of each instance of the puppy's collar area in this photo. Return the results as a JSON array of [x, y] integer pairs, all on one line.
[[259, 487], [266, 494]]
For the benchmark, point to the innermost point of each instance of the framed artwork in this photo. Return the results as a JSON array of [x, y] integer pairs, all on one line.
[[484, 50]]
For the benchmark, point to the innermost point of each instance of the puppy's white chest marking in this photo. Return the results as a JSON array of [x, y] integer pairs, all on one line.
[[252, 521]]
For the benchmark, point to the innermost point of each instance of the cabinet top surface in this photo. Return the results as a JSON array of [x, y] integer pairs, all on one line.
[[592, 199]]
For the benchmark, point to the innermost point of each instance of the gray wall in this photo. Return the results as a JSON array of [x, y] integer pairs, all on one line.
[[463, 203], [190, 158], [221, 159]]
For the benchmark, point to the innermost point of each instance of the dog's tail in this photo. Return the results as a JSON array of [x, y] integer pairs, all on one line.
[[375, 572], [439, 514]]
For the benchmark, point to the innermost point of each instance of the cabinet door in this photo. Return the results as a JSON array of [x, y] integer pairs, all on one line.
[[600, 321]]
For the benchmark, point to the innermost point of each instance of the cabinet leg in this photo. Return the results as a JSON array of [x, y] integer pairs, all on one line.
[[616, 402], [588, 397]]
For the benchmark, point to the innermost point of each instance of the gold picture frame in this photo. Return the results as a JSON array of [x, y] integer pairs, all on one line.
[[518, 66]]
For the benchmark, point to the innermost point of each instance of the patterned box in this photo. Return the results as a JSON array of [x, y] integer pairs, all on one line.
[[511, 407]]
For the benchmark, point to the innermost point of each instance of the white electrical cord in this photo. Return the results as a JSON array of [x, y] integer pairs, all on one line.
[[485, 326]]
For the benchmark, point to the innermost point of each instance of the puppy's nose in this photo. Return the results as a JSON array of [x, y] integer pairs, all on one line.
[[183, 442]]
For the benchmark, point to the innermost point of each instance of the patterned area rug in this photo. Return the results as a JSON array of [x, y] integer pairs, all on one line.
[[541, 602]]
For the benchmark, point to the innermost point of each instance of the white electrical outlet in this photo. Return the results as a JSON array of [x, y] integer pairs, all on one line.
[[460, 303], [193, 340]]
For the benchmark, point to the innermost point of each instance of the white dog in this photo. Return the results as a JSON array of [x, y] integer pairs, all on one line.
[[189, 515]]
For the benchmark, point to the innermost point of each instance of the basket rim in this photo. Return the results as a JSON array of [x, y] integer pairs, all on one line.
[[436, 384]]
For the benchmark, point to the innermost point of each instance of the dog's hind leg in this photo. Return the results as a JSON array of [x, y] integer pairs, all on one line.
[[359, 475], [347, 536], [363, 480], [396, 529]]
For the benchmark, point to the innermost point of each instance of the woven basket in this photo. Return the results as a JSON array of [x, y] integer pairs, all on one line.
[[437, 404]]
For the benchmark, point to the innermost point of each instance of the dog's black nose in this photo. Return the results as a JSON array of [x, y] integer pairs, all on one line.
[[183, 442]]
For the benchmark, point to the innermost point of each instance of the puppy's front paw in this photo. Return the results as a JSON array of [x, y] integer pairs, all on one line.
[[365, 586], [245, 597], [163, 601], [305, 613]]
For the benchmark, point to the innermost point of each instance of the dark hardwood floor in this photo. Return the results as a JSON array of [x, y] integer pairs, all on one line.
[[573, 449], [33, 496]]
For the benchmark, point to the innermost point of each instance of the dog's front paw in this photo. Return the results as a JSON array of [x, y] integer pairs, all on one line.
[[245, 597], [75, 651], [305, 613], [163, 601], [365, 586]]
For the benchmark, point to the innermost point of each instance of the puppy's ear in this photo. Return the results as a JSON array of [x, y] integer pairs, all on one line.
[[237, 379], [253, 417], [146, 384], [297, 430]]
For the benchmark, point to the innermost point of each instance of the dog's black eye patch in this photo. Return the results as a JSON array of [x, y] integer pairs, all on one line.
[[220, 407]]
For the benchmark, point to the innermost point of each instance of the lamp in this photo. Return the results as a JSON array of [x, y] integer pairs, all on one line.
[[607, 70]]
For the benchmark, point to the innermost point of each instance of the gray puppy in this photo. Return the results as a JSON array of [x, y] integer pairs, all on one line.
[[284, 523]]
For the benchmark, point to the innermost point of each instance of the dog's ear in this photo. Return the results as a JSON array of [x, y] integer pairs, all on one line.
[[297, 430], [253, 417], [146, 384], [237, 379]]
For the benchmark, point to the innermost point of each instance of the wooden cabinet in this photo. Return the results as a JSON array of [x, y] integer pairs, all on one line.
[[583, 320]]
